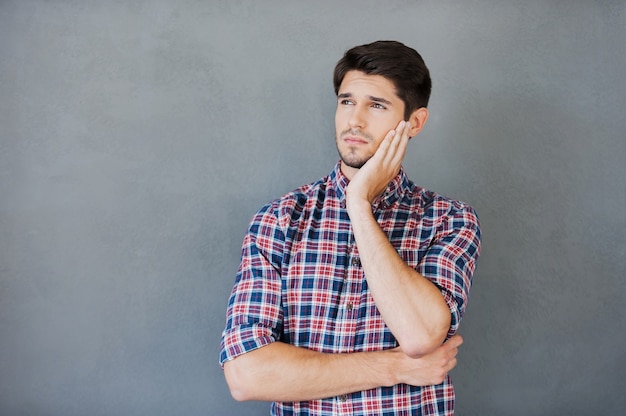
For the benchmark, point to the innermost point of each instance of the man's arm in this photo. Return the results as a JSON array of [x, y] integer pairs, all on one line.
[[283, 372], [412, 306]]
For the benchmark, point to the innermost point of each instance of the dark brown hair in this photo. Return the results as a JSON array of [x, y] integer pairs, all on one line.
[[401, 65]]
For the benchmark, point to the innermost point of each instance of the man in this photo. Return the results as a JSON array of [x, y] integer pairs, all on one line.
[[351, 289]]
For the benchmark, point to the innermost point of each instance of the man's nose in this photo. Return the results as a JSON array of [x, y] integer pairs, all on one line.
[[357, 117]]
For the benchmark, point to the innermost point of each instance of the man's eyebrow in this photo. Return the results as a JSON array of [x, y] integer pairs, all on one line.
[[379, 100], [369, 97]]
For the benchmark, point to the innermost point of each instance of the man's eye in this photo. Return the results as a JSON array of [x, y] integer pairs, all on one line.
[[346, 102], [380, 106]]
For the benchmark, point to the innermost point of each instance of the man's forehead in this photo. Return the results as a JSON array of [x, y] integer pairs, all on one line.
[[375, 86]]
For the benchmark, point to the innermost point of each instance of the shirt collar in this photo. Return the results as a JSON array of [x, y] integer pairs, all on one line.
[[396, 188]]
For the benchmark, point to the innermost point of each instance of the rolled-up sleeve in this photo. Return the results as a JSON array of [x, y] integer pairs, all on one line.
[[254, 314], [451, 259]]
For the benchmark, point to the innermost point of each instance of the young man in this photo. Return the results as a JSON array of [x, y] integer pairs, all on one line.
[[351, 289]]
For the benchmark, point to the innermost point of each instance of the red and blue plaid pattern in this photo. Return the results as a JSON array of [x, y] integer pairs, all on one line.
[[300, 282]]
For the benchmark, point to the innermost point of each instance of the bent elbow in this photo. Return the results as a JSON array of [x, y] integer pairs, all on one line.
[[236, 382], [428, 339], [238, 393], [416, 348]]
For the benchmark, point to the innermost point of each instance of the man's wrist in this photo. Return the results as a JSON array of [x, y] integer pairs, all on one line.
[[381, 368], [358, 206]]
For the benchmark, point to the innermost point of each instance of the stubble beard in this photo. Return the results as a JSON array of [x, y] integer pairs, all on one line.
[[350, 157]]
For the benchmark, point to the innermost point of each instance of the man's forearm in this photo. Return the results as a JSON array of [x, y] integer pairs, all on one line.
[[413, 307], [283, 372]]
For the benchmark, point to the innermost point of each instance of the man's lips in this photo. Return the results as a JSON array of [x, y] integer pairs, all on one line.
[[354, 140]]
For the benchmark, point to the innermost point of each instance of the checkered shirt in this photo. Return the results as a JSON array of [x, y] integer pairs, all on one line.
[[300, 281]]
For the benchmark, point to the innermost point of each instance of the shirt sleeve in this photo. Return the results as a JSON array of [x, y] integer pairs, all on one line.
[[451, 259], [254, 314]]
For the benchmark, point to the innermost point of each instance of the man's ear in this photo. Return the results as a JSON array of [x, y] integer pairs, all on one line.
[[418, 119]]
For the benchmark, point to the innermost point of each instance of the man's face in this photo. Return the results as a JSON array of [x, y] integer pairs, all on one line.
[[367, 109]]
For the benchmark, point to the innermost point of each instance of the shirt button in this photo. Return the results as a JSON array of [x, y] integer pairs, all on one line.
[[343, 398], [349, 306], [356, 262]]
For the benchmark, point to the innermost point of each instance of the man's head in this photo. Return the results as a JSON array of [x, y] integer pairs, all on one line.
[[377, 86], [401, 65]]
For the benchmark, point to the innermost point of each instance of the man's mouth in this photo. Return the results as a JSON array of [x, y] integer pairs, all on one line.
[[354, 140], [351, 137]]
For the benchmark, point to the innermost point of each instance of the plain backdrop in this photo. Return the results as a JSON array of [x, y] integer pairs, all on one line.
[[137, 138]]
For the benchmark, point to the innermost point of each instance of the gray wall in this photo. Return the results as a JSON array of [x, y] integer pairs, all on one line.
[[138, 137]]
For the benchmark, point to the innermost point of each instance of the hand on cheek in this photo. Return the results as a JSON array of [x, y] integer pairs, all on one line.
[[372, 179]]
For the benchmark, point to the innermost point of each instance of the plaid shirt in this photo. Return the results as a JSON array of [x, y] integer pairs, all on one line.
[[300, 281]]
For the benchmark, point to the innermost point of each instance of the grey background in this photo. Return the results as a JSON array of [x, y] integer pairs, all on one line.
[[137, 138]]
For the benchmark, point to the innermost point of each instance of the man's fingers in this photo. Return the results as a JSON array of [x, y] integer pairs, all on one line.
[[451, 364], [455, 341], [400, 131], [397, 140], [383, 148], [401, 140]]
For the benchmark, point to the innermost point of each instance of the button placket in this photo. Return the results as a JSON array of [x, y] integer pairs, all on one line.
[[349, 300], [344, 406], [353, 255]]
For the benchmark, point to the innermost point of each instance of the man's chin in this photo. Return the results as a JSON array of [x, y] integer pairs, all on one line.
[[353, 162], [355, 165]]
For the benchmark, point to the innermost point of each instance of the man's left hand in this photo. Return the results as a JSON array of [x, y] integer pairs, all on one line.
[[372, 179]]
